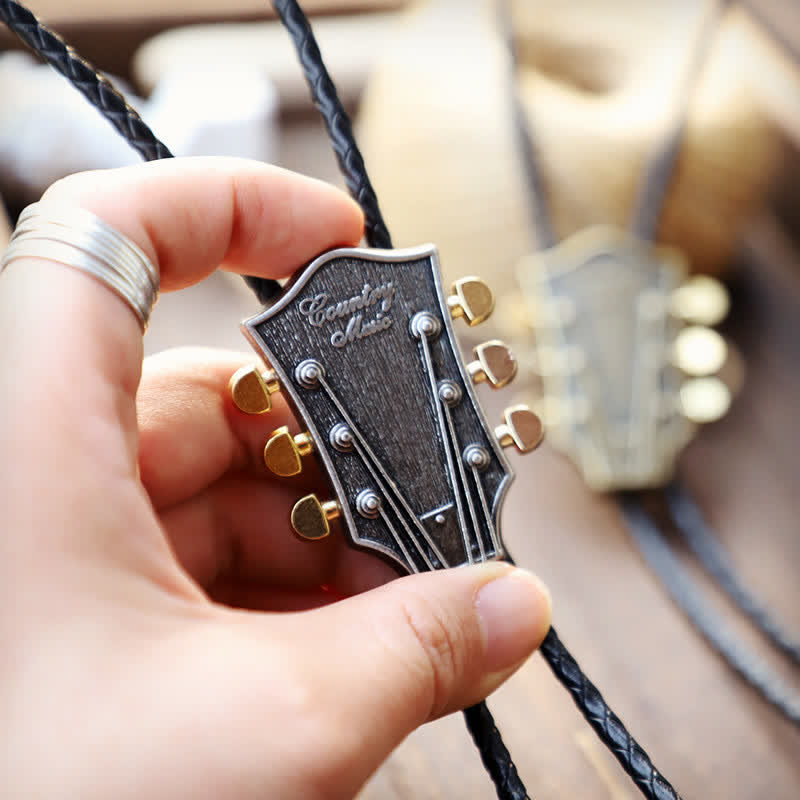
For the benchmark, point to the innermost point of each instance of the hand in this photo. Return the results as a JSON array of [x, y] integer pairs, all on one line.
[[144, 554]]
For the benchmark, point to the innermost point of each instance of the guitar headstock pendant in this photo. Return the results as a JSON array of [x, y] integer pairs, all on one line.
[[361, 344], [623, 352]]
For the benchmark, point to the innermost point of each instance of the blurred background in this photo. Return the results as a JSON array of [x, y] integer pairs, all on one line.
[[428, 83], [214, 79]]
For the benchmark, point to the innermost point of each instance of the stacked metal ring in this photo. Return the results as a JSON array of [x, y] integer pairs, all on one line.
[[77, 238]]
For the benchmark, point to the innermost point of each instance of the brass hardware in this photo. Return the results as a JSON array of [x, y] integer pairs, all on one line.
[[283, 452], [699, 351], [521, 427], [310, 517], [471, 299], [705, 400], [702, 300], [494, 362], [251, 389]]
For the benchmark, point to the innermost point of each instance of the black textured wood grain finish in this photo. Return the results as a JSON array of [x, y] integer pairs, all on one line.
[[351, 311]]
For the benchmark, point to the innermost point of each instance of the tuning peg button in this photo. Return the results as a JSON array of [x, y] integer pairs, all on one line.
[[283, 452], [702, 300], [310, 517], [705, 400], [251, 389], [699, 351], [494, 362], [521, 428], [472, 299]]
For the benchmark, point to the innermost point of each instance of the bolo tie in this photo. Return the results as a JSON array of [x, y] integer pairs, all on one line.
[[101, 93], [635, 297]]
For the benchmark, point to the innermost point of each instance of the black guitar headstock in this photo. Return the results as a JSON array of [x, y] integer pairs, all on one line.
[[361, 343]]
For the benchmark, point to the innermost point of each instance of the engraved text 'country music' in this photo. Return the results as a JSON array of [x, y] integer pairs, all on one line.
[[319, 311]]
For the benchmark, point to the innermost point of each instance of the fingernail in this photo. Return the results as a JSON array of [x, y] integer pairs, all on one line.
[[515, 612]]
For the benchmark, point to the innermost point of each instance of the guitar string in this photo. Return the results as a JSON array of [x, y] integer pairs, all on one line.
[[486, 513], [644, 222], [437, 404], [480, 723], [609, 728], [398, 540], [360, 439], [375, 473], [463, 486], [103, 95]]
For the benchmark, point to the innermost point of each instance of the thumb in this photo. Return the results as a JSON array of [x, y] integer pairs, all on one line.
[[382, 663]]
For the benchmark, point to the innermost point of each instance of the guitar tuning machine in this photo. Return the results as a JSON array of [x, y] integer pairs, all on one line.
[[699, 351], [494, 362], [521, 427], [471, 299], [252, 389], [283, 452], [705, 400], [701, 300], [310, 517]]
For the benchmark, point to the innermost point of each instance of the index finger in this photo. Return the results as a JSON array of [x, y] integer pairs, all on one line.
[[193, 215], [77, 348]]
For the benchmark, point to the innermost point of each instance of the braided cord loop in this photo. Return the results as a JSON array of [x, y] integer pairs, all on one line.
[[606, 724], [687, 595], [480, 723], [337, 121], [98, 90], [102, 94], [495, 756], [697, 533]]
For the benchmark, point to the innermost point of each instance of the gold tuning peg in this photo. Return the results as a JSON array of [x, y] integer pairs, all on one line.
[[494, 362], [701, 300], [699, 351], [521, 427], [310, 517], [251, 389], [705, 400], [283, 452], [472, 299]]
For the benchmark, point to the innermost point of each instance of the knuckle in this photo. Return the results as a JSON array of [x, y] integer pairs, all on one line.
[[438, 649]]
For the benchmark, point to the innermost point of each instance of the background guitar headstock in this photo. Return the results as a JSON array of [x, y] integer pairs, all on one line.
[[626, 362], [362, 346]]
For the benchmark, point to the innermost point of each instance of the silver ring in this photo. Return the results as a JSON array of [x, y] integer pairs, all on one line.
[[77, 238]]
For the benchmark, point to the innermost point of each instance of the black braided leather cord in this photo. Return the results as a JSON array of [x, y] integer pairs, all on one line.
[[697, 533], [495, 756], [337, 121], [653, 190], [98, 90], [607, 725], [102, 94], [480, 723], [541, 219], [687, 595], [609, 728]]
